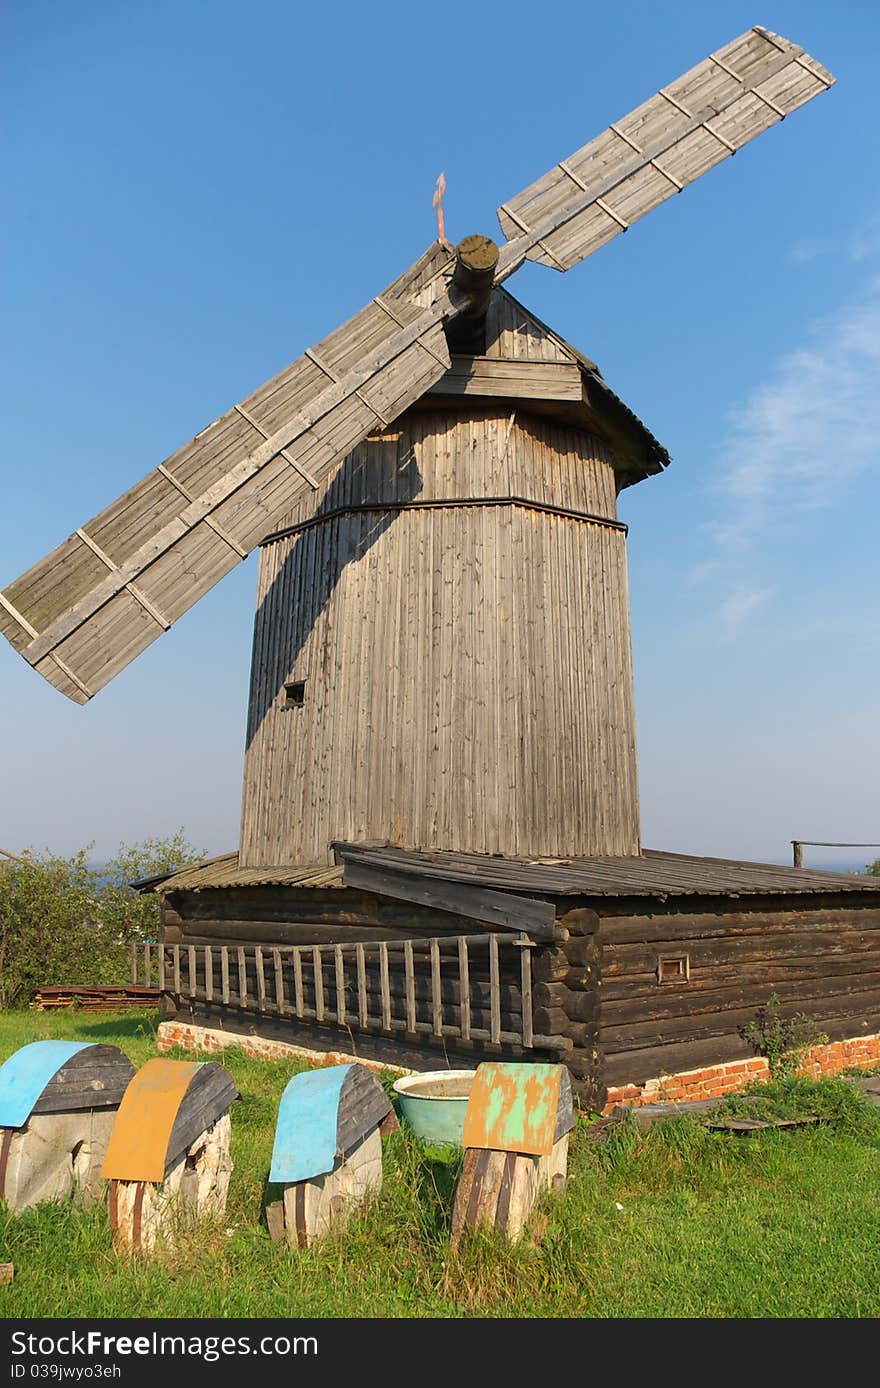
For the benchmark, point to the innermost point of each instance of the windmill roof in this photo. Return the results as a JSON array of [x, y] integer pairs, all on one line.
[[520, 344]]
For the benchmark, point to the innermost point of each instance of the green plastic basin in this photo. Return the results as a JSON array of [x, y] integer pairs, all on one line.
[[433, 1104]]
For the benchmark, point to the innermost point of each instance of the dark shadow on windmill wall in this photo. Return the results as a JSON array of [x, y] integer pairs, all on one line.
[[349, 488]]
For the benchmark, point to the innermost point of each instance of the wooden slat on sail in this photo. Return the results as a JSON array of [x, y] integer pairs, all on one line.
[[83, 613], [655, 151]]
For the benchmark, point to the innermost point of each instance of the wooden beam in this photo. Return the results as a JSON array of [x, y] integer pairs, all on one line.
[[514, 380], [517, 913]]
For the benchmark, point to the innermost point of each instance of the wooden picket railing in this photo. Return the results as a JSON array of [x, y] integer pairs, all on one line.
[[469, 987]]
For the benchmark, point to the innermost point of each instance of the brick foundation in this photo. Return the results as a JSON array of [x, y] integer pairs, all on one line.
[[196, 1038], [709, 1082], [715, 1081]]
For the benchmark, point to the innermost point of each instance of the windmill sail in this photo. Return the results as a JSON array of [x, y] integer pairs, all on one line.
[[83, 613], [640, 161]]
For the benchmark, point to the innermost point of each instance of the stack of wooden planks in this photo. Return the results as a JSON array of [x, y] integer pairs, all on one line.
[[110, 997]]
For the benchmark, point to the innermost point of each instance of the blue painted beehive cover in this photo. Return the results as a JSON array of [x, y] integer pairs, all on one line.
[[321, 1115], [24, 1076]]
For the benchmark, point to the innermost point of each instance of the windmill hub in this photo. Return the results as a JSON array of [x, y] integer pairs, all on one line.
[[476, 260], [477, 253]]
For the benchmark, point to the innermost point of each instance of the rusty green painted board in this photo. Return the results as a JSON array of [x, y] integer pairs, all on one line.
[[516, 1108]]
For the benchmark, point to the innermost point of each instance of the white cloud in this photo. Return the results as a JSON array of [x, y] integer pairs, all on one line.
[[865, 240], [802, 252], [793, 446], [813, 426], [862, 243], [738, 606]]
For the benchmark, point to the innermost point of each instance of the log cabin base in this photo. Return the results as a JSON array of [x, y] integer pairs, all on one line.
[[500, 1189], [55, 1156], [145, 1215], [310, 1210]]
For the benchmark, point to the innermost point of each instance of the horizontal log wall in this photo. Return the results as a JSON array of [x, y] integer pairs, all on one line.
[[296, 915], [544, 1005], [822, 960], [466, 668]]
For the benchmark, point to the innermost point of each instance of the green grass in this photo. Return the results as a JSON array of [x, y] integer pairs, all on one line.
[[677, 1222]]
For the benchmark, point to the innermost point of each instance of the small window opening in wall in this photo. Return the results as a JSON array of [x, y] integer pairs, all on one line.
[[295, 694], [673, 968]]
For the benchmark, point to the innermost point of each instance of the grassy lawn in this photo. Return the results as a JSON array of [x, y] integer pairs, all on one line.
[[677, 1222]]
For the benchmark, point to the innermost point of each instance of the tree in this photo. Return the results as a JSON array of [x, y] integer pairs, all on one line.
[[64, 920], [873, 869], [136, 914]]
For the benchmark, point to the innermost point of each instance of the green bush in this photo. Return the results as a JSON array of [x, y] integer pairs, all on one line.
[[62, 920], [781, 1040]]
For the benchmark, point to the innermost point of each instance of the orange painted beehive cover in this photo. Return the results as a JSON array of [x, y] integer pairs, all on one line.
[[518, 1108], [164, 1102]]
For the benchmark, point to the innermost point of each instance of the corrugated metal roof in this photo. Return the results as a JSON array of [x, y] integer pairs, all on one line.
[[653, 874], [225, 872]]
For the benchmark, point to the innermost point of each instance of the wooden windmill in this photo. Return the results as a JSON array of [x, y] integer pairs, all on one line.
[[442, 652], [440, 798]]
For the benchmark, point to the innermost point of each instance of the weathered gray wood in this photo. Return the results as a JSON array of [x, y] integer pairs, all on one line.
[[148, 973], [496, 995], [160, 956], [313, 1209], [275, 1221], [362, 985], [362, 1107], [500, 1189], [191, 970], [177, 551], [280, 1006], [515, 380], [568, 209], [261, 978], [543, 743], [526, 991], [298, 982], [242, 977], [386, 992], [340, 985], [478, 903], [319, 983], [210, 1093], [133, 968], [224, 973], [209, 972], [175, 956], [94, 1078], [436, 997], [409, 984], [464, 983]]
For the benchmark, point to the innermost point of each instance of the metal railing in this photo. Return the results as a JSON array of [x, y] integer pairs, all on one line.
[[466, 987]]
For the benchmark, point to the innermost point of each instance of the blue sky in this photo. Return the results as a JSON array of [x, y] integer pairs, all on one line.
[[195, 192]]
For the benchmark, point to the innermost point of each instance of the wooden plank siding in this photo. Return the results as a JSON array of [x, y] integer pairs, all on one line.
[[460, 624]]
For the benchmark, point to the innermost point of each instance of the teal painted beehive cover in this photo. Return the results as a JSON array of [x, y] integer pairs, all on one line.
[[306, 1143], [24, 1076]]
